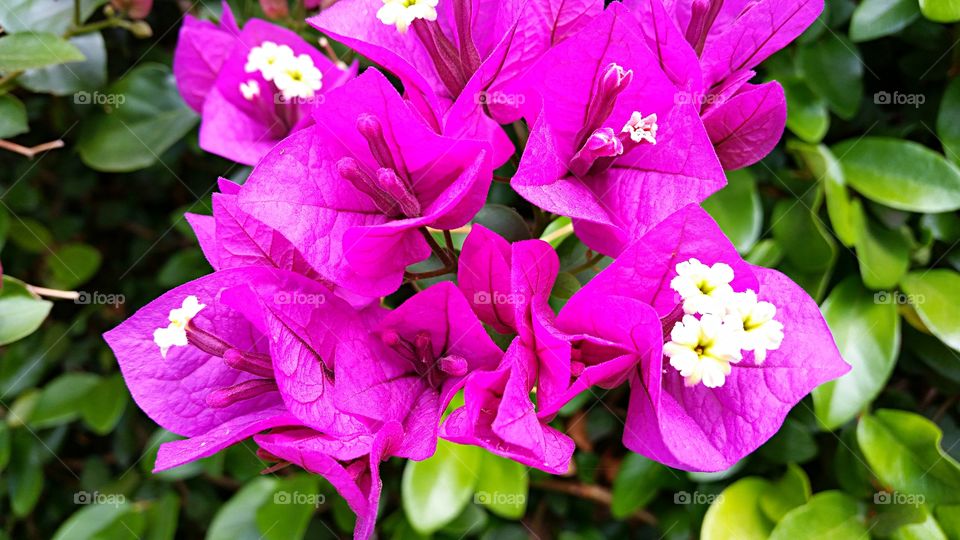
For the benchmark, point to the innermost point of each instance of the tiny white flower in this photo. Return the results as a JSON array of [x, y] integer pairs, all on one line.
[[759, 332], [175, 334], [642, 128], [704, 289], [250, 89], [268, 58], [299, 78], [402, 13], [703, 349]]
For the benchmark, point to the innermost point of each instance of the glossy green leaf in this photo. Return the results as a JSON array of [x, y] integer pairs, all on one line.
[[789, 492], [503, 486], [237, 519], [31, 50], [286, 515], [63, 399], [13, 117], [736, 513], [833, 70], [146, 118], [877, 18], [21, 312], [25, 474], [808, 116], [867, 331], [934, 294], [97, 521], [737, 209], [103, 405], [437, 489], [944, 11], [557, 231], [54, 16], [884, 254], [825, 167], [903, 450], [830, 514], [504, 221], [766, 253], [637, 483], [72, 265], [928, 529], [811, 248], [901, 174], [948, 117], [66, 79]]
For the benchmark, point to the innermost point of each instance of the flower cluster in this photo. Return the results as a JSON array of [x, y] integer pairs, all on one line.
[[341, 317]]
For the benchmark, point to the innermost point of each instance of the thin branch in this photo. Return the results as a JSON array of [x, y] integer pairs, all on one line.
[[590, 492], [32, 151], [53, 293]]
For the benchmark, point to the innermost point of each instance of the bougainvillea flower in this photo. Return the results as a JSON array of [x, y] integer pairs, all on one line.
[[439, 48], [733, 366], [214, 386], [730, 38], [352, 467], [616, 146], [355, 191], [252, 87]]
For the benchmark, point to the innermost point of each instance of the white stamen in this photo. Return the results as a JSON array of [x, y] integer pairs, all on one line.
[[642, 128], [250, 89], [402, 13], [704, 289], [175, 334]]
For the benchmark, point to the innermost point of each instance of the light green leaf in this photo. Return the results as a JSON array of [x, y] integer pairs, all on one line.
[[903, 450], [637, 483], [237, 519], [901, 174], [736, 513], [766, 253], [808, 116], [821, 162], [791, 491], [21, 312], [557, 231], [877, 18], [830, 514], [928, 529], [65, 79], [503, 486], [13, 117], [944, 11], [737, 209], [35, 50], [934, 294], [884, 254], [286, 515], [146, 118], [833, 70], [437, 489], [867, 331], [54, 16], [97, 521]]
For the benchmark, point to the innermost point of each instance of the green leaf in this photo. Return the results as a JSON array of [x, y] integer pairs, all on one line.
[[821, 162], [35, 50], [737, 209], [900, 174], [54, 16], [163, 516], [557, 231], [97, 521], [903, 450], [884, 254], [72, 265], [933, 294], [237, 519], [793, 443], [148, 118], [736, 513], [867, 332], [766, 253], [637, 483], [928, 529], [288, 513], [944, 11], [877, 18], [25, 474], [812, 248], [832, 68], [850, 467], [63, 399], [948, 128], [435, 490], [808, 116], [503, 486], [949, 518], [21, 312], [791, 491], [102, 407], [830, 514], [63, 80], [504, 221], [13, 117], [30, 235]]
